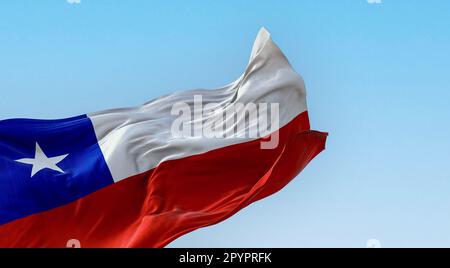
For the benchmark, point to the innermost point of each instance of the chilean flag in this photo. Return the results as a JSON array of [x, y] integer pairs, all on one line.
[[120, 178]]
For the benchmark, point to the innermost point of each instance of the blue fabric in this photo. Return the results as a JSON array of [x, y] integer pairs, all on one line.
[[84, 169]]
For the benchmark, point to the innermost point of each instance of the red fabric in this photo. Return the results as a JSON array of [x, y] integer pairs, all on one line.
[[178, 196]]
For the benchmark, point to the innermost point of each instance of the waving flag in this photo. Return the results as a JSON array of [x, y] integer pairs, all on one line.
[[134, 178]]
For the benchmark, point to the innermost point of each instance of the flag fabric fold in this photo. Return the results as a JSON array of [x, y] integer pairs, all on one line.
[[121, 178]]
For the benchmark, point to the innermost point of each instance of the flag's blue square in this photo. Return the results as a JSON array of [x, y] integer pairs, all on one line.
[[48, 163]]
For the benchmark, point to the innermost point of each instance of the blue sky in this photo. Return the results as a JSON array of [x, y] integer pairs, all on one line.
[[377, 77]]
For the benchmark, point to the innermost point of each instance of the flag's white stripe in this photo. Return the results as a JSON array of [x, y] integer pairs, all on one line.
[[135, 140]]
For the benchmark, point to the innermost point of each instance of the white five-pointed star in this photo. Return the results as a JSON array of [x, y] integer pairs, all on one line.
[[41, 161]]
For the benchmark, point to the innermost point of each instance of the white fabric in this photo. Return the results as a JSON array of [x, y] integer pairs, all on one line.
[[135, 140]]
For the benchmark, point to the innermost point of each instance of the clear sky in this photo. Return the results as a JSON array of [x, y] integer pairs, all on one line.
[[377, 76]]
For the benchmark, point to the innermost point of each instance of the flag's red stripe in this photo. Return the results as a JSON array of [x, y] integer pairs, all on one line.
[[178, 196]]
